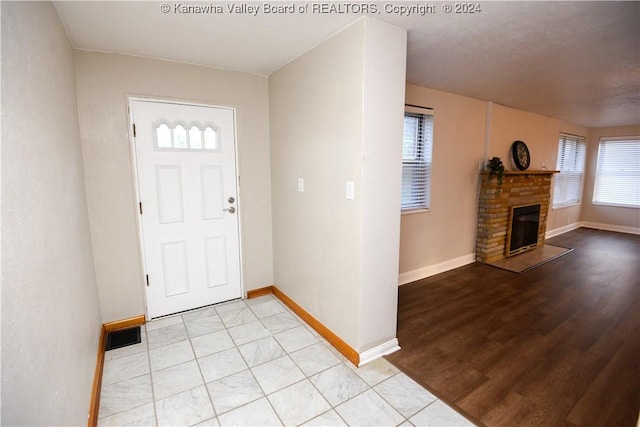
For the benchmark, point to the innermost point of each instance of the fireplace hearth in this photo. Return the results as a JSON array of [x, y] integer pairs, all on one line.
[[495, 238]]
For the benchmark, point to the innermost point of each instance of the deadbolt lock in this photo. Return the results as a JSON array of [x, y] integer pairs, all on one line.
[[231, 200]]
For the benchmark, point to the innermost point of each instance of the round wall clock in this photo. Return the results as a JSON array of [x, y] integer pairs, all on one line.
[[520, 154]]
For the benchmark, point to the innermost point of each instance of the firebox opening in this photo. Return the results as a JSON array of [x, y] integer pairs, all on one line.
[[522, 234]]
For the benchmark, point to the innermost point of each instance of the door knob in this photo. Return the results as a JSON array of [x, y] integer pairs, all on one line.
[[230, 210]]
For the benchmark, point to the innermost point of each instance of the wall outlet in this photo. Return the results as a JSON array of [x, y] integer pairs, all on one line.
[[349, 190], [301, 185]]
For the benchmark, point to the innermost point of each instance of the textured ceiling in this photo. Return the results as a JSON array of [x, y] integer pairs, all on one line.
[[576, 61]]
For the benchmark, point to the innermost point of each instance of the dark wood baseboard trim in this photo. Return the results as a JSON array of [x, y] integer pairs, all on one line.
[[125, 323], [94, 407], [97, 381], [325, 332], [255, 293]]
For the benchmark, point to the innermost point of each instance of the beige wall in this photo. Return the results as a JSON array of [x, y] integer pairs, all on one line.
[[318, 124], [598, 214], [383, 117], [103, 83], [447, 231], [50, 313], [465, 131], [315, 108], [541, 134]]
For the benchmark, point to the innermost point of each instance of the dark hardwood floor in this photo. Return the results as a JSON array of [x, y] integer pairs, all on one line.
[[556, 345]]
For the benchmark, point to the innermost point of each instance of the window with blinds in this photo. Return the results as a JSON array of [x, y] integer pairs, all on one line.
[[567, 186], [618, 172], [417, 145]]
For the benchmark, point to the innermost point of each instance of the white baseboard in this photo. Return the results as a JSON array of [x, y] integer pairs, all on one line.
[[379, 351], [608, 227], [594, 225], [432, 270], [558, 231]]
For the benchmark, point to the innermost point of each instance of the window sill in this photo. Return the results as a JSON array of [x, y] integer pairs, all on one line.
[[554, 208], [614, 205], [414, 211]]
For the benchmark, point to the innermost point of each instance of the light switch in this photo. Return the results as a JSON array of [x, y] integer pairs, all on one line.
[[301, 185], [349, 190]]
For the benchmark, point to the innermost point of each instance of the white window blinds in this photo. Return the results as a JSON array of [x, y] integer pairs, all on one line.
[[618, 172], [567, 187], [417, 144]]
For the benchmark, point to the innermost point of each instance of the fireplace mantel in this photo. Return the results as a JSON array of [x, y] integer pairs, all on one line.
[[527, 172], [518, 188]]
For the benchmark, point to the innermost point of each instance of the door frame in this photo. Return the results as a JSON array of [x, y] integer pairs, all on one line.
[[136, 185]]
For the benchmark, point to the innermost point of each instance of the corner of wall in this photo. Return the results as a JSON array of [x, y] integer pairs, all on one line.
[[383, 110]]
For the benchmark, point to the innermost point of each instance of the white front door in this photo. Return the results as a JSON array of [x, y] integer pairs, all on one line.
[[186, 175]]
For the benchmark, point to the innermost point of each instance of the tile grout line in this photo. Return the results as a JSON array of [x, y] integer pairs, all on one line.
[[288, 355], [153, 391], [252, 374], [271, 335], [391, 404], [236, 347], [285, 355], [153, 388], [204, 381], [266, 396], [306, 377], [129, 379], [322, 341]]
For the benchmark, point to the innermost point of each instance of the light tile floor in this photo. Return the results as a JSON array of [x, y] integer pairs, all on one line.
[[255, 363]]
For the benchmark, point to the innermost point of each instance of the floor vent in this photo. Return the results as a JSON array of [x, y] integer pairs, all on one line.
[[123, 338]]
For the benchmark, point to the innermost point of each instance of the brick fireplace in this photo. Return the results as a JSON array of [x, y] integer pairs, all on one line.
[[519, 188]]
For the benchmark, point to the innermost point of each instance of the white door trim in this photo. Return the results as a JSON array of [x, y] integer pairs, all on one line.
[[136, 187]]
